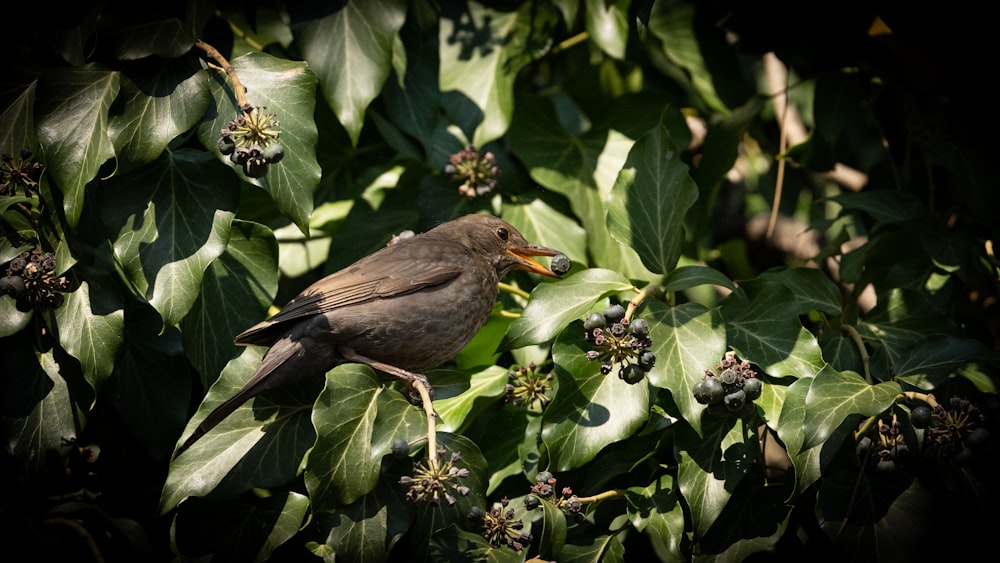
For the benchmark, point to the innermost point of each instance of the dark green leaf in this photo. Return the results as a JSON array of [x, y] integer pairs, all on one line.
[[235, 293], [934, 359], [169, 220], [607, 25], [591, 410], [351, 52], [73, 128], [649, 200], [901, 319], [686, 277], [654, 509], [91, 322]]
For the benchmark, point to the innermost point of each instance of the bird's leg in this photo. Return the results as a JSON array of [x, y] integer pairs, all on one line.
[[408, 378]]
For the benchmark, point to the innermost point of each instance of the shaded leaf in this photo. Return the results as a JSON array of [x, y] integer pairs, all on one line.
[[169, 220], [650, 198], [91, 322], [686, 277], [350, 51], [73, 128], [655, 510], [607, 25]]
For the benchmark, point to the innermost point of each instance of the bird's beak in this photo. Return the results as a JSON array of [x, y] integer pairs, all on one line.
[[523, 255]]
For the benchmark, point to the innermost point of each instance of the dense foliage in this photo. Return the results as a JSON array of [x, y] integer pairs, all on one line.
[[777, 336]]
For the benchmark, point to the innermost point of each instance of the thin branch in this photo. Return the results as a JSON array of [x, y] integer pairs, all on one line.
[[238, 87]]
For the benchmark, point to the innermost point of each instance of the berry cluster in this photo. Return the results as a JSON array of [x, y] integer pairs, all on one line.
[[251, 141], [955, 433], [477, 171], [732, 391], [436, 480], [500, 528], [884, 446], [22, 173], [528, 387], [618, 341], [544, 490], [30, 278]]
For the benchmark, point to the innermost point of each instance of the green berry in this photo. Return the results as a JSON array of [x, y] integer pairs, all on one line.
[[614, 313], [920, 416]]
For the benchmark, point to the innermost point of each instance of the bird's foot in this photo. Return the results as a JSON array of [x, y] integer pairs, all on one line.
[[409, 378]]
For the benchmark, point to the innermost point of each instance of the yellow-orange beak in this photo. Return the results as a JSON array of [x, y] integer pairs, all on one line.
[[525, 262]]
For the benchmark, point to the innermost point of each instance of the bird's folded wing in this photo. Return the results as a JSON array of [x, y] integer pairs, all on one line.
[[347, 288]]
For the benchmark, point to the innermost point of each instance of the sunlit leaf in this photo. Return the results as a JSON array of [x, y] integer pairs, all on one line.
[[835, 395]]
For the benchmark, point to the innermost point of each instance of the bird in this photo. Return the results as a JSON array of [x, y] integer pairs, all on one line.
[[406, 308]]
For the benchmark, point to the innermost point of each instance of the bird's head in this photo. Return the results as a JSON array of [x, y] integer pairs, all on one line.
[[501, 243]]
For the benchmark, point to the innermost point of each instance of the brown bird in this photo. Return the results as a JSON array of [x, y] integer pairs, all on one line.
[[404, 309]]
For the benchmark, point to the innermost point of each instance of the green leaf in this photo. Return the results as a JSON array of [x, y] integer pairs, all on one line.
[[169, 220], [554, 305], [158, 106], [50, 427], [236, 292], [553, 536], [351, 52], [543, 225], [366, 529], [654, 509], [591, 410], [583, 168], [481, 51], [607, 25], [287, 89], [673, 24], [902, 318], [650, 198], [763, 327], [937, 357], [835, 395], [600, 549], [17, 119], [166, 38], [686, 277], [687, 340], [73, 128], [710, 468], [91, 322], [811, 287], [885, 206], [485, 386], [356, 420]]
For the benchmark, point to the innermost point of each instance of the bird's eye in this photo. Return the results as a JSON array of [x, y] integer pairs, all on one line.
[[502, 233]]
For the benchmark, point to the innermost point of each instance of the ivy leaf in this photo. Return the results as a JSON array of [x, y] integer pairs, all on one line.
[[169, 220], [481, 52], [709, 471], [91, 324], [607, 25], [591, 410], [236, 291], [605, 549], [553, 536], [287, 89], [687, 277], [356, 421], [812, 289], [673, 24], [554, 305], [835, 395], [655, 510], [687, 340], [17, 118], [73, 128], [158, 106], [764, 328], [485, 386], [650, 198], [351, 52], [51, 424], [935, 358], [902, 318]]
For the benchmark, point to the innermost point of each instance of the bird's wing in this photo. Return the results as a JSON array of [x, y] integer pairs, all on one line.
[[353, 285]]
